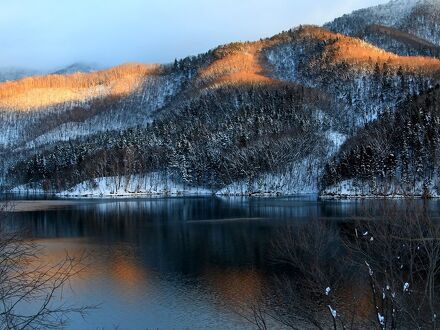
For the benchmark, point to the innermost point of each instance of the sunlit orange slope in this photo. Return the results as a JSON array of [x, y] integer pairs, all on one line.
[[360, 55], [236, 63], [39, 92], [239, 63]]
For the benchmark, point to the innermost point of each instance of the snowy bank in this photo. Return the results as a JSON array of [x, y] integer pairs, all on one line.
[[134, 185], [300, 179], [354, 189]]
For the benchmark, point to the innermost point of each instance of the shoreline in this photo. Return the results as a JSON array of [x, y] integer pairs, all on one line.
[[128, 195]]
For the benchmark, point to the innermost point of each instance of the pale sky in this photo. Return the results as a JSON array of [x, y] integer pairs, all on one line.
[[46, 34]]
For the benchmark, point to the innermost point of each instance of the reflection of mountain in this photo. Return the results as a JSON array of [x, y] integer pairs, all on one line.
[[131, 292], [171, 234], [236, 286], [150, 257]]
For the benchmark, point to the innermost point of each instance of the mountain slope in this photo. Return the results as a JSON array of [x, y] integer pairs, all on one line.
[[397, 155], [309, 56], [58, 107], [45, 91], [76, 67], [412, 25], [399, 42], [364, 80], [223, 136]]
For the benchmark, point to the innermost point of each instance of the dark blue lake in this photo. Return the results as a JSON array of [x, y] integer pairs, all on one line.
[[171, 263]]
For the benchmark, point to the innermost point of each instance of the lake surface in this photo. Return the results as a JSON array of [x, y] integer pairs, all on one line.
[[171, 263]]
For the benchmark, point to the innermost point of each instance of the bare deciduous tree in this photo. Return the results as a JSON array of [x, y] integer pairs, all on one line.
[[378, 272], [31, 290]]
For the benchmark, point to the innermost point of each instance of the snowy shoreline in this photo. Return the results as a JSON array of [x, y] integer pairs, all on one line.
[[384, 197], [140, 195], [159, 185]]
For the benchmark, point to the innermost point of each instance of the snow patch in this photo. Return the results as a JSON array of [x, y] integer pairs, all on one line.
[[300, 178], [355, 189], [133, 185]]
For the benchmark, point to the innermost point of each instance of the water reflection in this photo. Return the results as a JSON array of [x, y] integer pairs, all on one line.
[[174, 262]]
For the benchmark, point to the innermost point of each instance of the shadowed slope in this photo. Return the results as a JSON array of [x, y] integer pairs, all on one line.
[[396, 155], [399, 42], [409, 18]]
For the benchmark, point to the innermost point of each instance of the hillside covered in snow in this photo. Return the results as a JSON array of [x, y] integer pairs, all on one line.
[[283, 115], [405, 27]]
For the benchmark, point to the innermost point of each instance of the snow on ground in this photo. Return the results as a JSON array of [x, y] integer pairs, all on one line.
[[151, 95], [336, 138], [28, 189], [134, 185], [295, 181], [289, 183], [355, 189], [300, 178]]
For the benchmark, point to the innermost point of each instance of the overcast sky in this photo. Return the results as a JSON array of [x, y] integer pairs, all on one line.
[[46, 34]]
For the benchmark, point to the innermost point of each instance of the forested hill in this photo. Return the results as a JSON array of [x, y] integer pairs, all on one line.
[[406, 27], [246, 118], [397, 155]]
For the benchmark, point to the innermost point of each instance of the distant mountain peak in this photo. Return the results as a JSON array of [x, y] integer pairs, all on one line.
[[388, 14], [14, 73], [77, 67], [418, 19]]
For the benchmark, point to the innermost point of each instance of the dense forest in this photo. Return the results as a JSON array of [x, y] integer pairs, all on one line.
[[398, 154], [225, 135]]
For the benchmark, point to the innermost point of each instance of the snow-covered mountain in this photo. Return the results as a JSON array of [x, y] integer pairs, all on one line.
[[257, 117], [12, 73], [77, 67], [406, 27], [391, 14]]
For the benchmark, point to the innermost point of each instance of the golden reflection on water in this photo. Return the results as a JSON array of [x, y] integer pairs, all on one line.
[[239, 285], [126, 271], [117, 263], [127, 274]]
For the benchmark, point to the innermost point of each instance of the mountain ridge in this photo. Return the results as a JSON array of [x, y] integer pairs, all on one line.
[[77, 67], [416, 18]]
